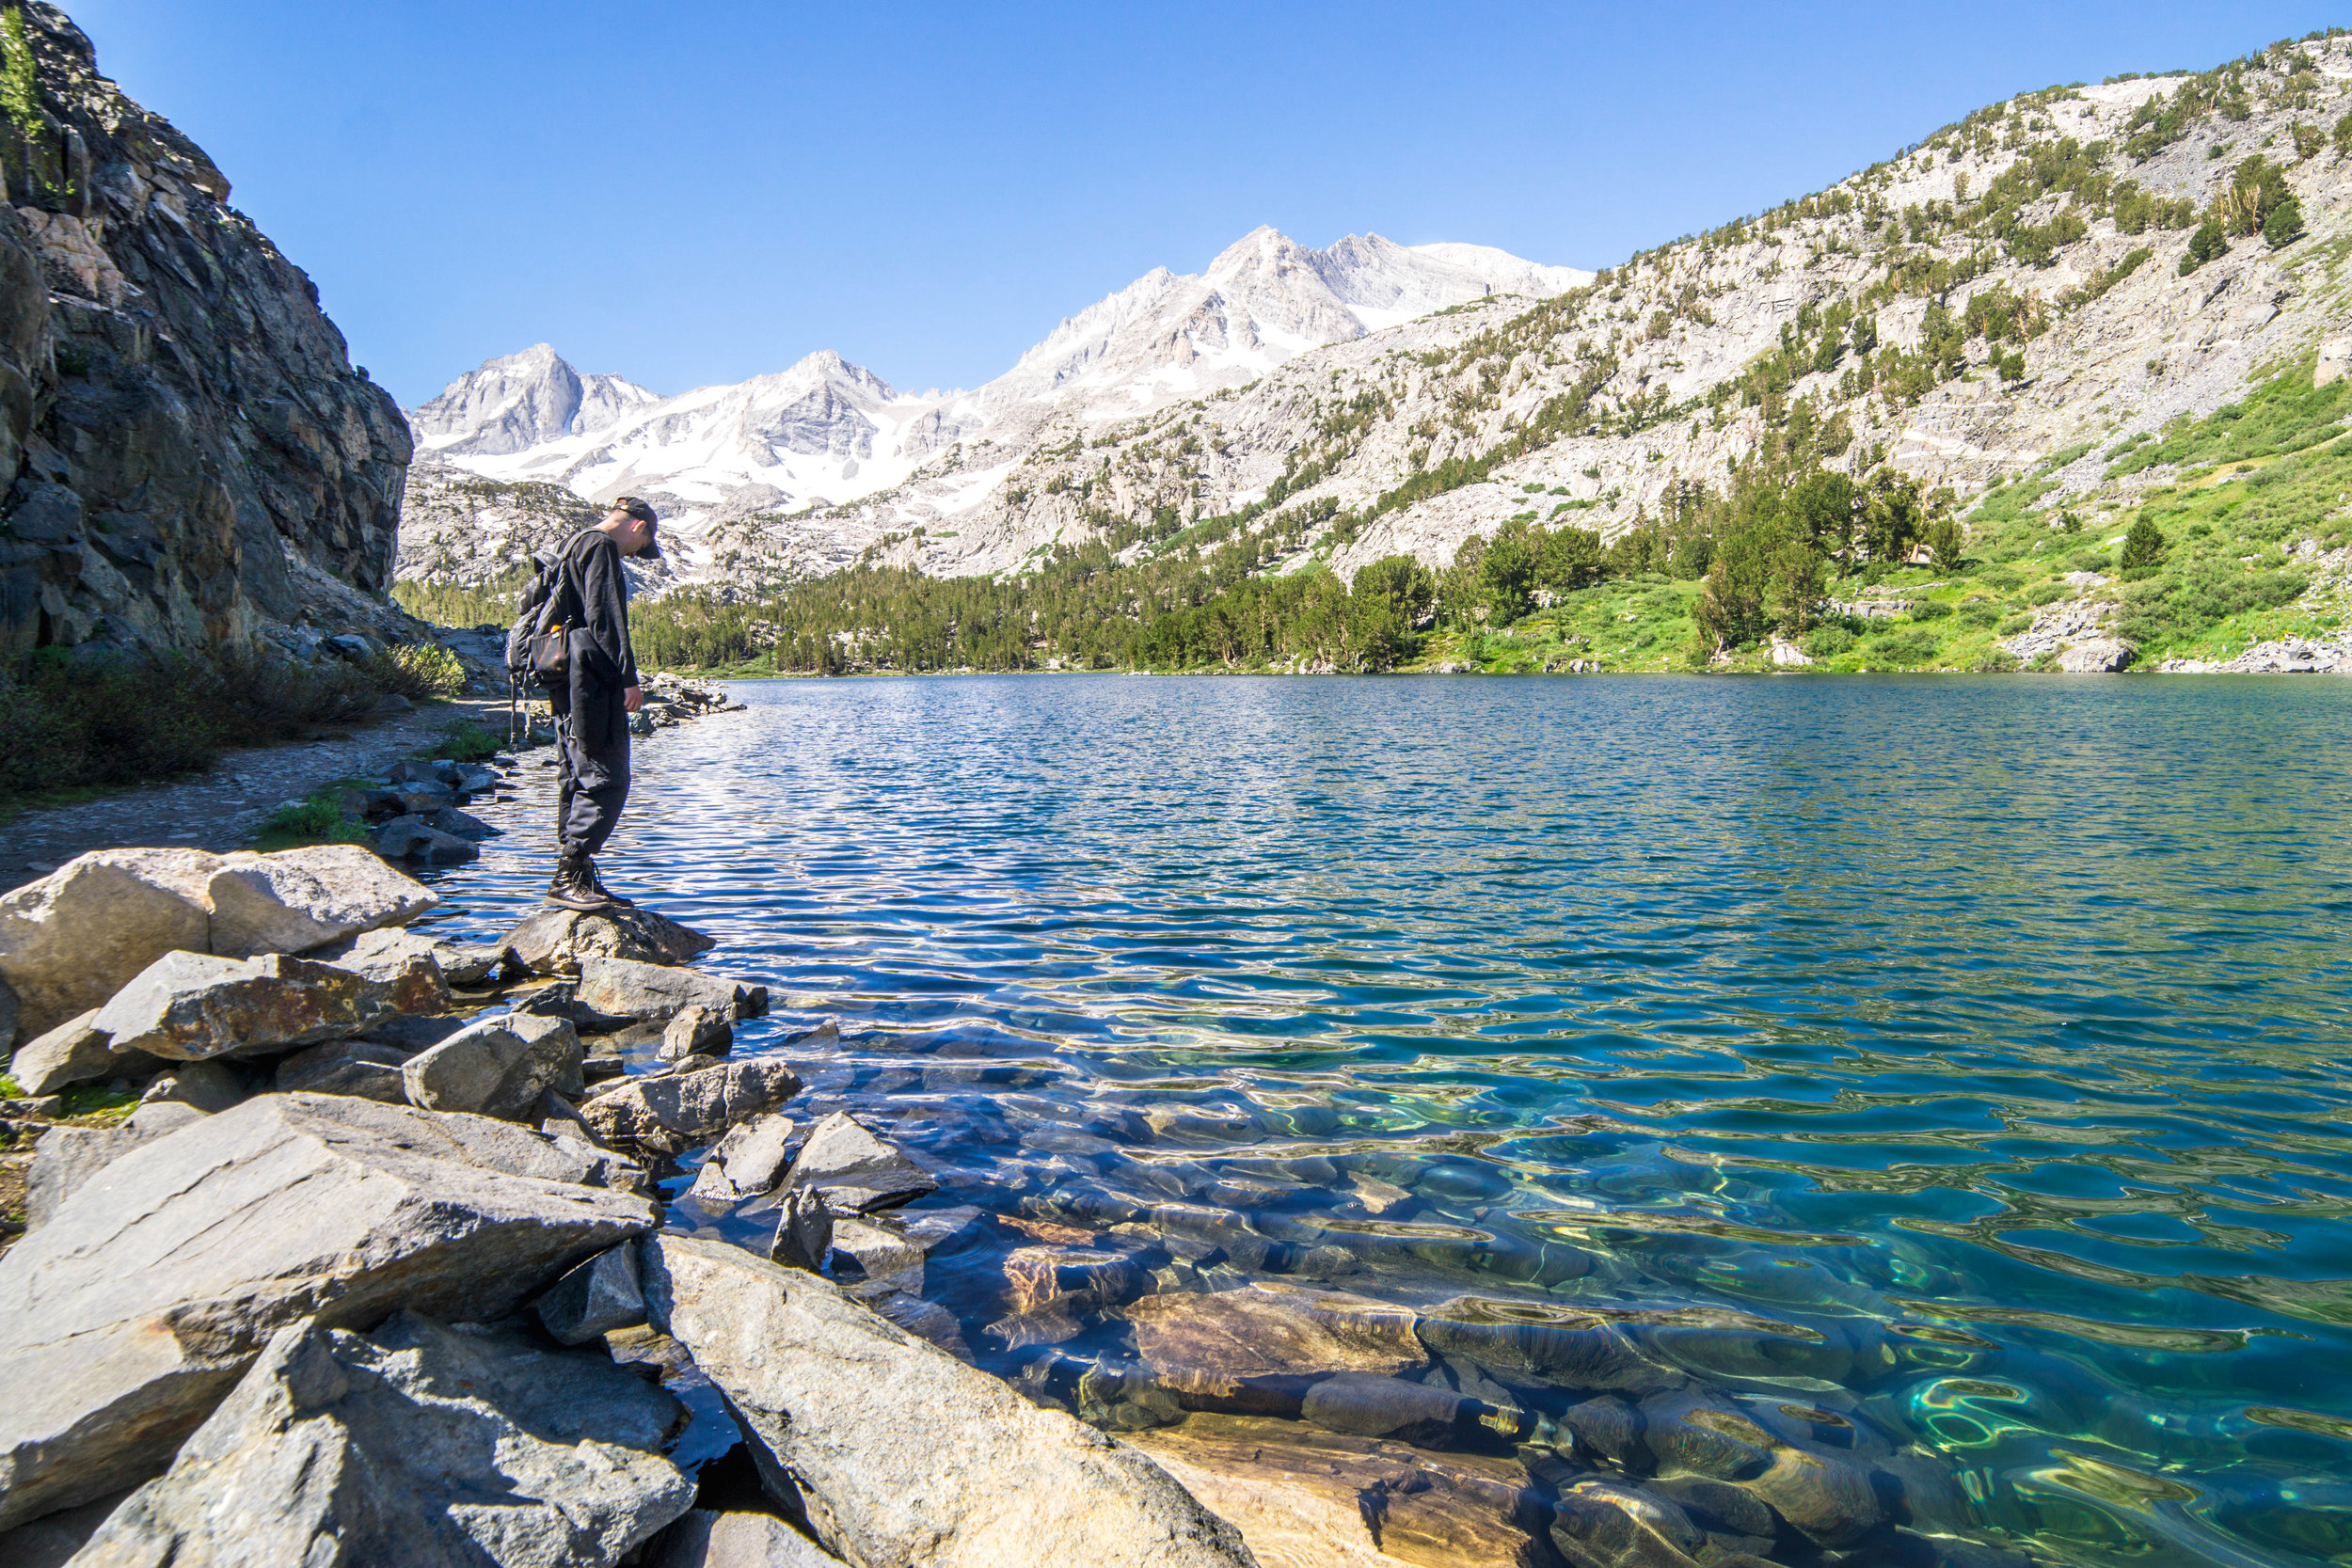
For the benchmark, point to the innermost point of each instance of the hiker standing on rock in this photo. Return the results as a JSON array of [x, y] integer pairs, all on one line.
[[578, 651]]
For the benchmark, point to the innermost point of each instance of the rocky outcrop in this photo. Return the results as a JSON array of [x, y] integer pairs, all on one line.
[[188, 458], [130, 1312], [823, 1387], [411, 1444]]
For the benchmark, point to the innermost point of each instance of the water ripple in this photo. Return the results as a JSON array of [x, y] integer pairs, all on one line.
[[2002, 1021]]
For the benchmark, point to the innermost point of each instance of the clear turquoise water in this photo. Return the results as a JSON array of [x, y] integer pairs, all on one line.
[[1975, 1046]]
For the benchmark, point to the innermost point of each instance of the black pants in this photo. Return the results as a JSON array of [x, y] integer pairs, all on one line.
[[592, 757]]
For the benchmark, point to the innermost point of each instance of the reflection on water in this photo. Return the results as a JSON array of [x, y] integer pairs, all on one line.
[[1939, 1068]]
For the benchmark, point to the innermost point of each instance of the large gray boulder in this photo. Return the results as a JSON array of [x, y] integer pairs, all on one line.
[[74, 938], [191, 1005], [128, 1314], [672, 1113], [553, 941], [297, 899], [499, 1067], [415, 1446], [901, 1454], [623, 987]]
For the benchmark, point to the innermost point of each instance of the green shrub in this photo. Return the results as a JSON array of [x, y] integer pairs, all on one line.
[[1929, 609], [467, 741], [1978, 615], [2046, 593], [113, 719], [1905, 646], [419, 669], [1827, 642], [2011, 627], [315, 821]]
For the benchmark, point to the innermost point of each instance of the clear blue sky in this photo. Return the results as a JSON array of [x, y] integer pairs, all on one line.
[[688, 194]]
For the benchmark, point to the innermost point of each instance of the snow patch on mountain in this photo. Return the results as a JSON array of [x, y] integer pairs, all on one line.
[[737, 469]]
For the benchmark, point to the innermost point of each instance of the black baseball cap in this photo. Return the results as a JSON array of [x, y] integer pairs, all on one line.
[[644, 513]]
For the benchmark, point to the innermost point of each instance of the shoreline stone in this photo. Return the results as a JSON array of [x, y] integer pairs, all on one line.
[[416, 1444], [895, 1452], [140, 1301]]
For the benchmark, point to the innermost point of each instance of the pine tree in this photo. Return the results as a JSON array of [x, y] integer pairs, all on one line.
[[2143, 548]]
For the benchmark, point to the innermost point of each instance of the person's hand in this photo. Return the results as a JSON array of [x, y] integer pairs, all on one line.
[[632, 699]]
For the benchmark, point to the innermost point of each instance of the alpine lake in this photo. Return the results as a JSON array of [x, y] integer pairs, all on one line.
[[1937, 1085]]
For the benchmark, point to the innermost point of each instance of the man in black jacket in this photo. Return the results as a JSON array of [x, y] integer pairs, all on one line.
[[592, 707]]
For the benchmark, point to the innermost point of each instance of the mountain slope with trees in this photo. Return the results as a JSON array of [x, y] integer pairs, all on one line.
[[1911, 421]]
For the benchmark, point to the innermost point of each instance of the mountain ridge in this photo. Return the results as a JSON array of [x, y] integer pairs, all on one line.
[[825, 434]]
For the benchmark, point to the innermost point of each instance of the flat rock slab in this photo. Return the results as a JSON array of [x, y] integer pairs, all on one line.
[[414, 1444], [190, 1005], [1239, 1350], [74, 938], [1302, 1496], [297, 899], [671, 1114], [499, 1067], [414, 838], [130, 1312], [623, 987], [554, 941], [900, 1453]]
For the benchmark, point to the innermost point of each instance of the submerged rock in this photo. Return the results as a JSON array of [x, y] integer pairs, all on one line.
[[900, 1454], [1304, 1497], [1606, 1524], [1251, 1350], [554, 941], [413, 1445], [1557, 1346], [128, 1314]]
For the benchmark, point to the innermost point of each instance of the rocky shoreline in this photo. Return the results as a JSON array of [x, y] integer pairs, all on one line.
[[419, 1251]]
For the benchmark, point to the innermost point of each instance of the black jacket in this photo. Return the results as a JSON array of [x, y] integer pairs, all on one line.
[[592, 572]]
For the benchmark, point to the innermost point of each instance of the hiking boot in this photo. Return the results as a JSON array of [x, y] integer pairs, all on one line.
[[575, 885], [609, 896]]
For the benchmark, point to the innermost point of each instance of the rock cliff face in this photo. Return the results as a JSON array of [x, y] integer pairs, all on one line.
[[187, 457]]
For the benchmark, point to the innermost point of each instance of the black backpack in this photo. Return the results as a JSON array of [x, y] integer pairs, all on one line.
[[539, 644]]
